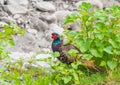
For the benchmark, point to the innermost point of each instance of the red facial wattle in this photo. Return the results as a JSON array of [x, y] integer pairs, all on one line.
[[54, 36]]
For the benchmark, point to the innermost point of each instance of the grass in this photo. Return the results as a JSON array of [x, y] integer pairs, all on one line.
[[15, 75]]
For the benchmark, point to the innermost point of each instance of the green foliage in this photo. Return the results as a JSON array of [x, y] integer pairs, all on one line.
[[6, 37], [55, 54], [73, 52], [99, 37], [13, 74], [66, 75]]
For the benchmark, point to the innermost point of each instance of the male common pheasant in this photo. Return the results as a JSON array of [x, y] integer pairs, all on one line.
[[58, 46]]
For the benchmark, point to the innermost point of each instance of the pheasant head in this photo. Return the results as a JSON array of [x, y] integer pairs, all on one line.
[[56, 38]]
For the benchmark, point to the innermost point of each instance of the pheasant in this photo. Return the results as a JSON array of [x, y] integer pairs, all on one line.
[[58, 46]]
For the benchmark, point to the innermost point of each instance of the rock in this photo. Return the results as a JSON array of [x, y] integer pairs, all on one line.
[[19, 21], [26, 57], [49, 18], [61, 15], [41, 64], [43, 43], [107, 3], [32, 31], [42, 56], [38, 24], [73, 27], [46, 50], [56, 28], [15, 56], [30, 43], [45, 6], [2, 12], [24, 44], [2, 2], [18, 2], [16, 16], [15, 9], [2, 24], [8, 19], [95, 3], [53, 28], [118, 0]]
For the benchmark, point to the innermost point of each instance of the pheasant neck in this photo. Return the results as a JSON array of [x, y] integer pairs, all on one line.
[[57, 41]]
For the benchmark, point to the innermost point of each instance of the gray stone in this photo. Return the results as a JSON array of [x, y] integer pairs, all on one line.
[[73, 27], [19, 21], [7, 19], [53, 28], [24, 44], [42, 64], [26, 57], [15, 9], [107, 3], [56, 28], [45, 6], [38, 24], [49, 18], [43, 43], [2, 12], [16, 16], [32, 31], [2, 24], [18, 2], [2, 2], [61, 15], [41, 56]]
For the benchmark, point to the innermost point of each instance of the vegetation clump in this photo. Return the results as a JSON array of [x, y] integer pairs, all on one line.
[[6, 37]]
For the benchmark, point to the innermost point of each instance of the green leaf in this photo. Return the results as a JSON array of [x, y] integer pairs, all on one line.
[[88, 43], [87, 56], [102, 63], [72, 52], [74, 65], [71, 18], [95, 53], [56, 54], [67, 42], [83, 45], [67, 79], [99, 36], [100, 25], [8, 31], [85, 6], [117, 38], [75, 76], [11, 43], [108, 50], [112, 64], [118, 52], [113, 43], [70, 34]]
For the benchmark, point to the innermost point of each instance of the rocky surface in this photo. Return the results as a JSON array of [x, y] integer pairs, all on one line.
[[30, 59], [15, 9], [40, 18]]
